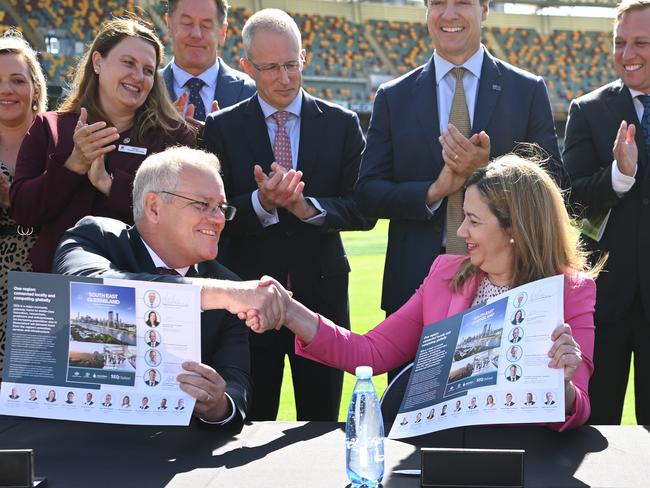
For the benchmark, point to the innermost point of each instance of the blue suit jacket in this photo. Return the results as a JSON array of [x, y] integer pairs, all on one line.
[[403, 157], [232, 86]]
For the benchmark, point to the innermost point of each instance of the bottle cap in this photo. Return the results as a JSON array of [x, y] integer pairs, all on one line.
[[363, 372]]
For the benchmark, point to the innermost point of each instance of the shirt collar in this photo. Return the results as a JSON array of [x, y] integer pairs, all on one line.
[[159, 263], [294, 107], [473, 64], [209, 76], [636, 93]]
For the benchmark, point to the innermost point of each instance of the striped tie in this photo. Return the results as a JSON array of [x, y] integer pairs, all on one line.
[[459, 117]]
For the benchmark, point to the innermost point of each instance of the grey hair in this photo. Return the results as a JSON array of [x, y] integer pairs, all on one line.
[[270, 20], [161, 172]]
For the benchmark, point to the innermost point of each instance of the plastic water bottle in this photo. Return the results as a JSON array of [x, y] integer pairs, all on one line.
[[364, 433]]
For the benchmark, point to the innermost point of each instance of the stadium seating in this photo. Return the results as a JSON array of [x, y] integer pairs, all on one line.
[[572, 62]]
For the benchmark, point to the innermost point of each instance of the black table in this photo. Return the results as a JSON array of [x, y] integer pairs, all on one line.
[[306, 455]]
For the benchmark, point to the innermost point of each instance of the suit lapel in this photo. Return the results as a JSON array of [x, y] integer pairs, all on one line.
[[140, 253], [228, 87], [168, 77], [463, 299], [424, 94], [257, 135], [489, 91], [619, 102], [311, 129]]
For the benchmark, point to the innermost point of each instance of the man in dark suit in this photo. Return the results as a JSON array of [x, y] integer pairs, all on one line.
[[618, 182], [197, 77], [290, 162], [179, 213], [415, 157]]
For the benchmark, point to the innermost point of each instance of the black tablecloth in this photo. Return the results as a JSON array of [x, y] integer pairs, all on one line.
[[306, 455]]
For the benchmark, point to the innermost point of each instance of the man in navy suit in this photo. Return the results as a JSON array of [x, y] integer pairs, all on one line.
[[607, 154], [290, 162], [179, 212], [197, 29], [415, 159]]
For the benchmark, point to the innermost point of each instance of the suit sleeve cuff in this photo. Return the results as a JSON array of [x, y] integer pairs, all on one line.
[[433, 208], [319, 218], [233, 411], [621, 183], [266, 218]]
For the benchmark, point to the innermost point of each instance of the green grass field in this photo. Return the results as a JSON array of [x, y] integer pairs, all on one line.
[[366, 252]]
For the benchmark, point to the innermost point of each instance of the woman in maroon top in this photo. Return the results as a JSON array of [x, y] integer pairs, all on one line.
[[81, 160]]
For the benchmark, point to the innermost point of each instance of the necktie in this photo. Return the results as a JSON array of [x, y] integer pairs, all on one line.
[[459, 117], [194, 85], [645, 122], [282, 145], [167, 271]]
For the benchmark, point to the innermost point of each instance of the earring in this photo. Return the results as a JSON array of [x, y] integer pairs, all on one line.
[[34, 107], [512, 240]]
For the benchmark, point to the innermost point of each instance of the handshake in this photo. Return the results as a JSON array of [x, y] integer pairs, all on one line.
[[263, 304]]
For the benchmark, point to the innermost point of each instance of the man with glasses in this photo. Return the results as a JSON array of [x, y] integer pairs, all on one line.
[[196, 77], [290, 162], [179, 210]]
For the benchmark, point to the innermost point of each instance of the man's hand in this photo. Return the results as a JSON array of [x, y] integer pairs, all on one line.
[[625, 151], [244, 296], [208, 387], [462, 155], [280, 188], [187, 111], [447, 183], [99, 177], [252, 317], [90, 142]]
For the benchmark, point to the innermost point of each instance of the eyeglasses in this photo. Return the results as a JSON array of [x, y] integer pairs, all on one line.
[[228, 211], [292, 67]]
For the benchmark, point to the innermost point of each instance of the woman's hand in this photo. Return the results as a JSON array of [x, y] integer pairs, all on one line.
[[565, 352], [99, 177], [90, 142]]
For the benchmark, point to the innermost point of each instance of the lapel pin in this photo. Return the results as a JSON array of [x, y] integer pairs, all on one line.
[[128, 139], [496, 87]]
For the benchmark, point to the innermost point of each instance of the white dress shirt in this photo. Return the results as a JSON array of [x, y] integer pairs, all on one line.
[[292, 128], [209, 77]]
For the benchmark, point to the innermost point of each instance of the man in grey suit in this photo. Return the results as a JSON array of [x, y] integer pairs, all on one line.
[[419, 154], [199, 80]]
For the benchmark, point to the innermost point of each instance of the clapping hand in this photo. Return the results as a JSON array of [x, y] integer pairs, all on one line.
[[462, 155], [90, 142], [187, 110], [625, 151]]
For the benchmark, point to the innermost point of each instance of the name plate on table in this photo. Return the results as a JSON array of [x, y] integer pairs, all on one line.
[[472, 468], [17, 469]]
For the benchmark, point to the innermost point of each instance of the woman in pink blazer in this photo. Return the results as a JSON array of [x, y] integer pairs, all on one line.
[[517, 230]]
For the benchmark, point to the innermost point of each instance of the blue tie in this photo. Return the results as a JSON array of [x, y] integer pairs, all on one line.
[[645, 122], [195, 85]]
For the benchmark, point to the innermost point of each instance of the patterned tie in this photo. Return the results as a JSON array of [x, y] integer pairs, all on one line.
[[195, 85], [167, 271], [282, 145], [645, 123], [459, 117]]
